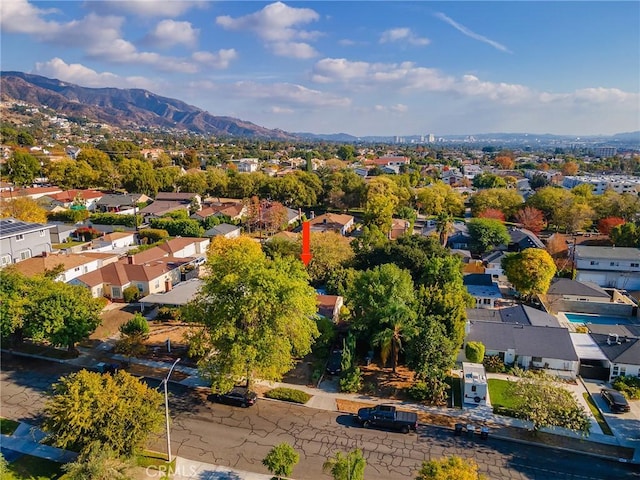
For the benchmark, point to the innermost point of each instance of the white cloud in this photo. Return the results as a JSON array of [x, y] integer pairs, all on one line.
[[147, 8], [279, 26], [87, 77], [280, 110], [221, 59], [288, 94], [469, 33], [169, 33], [403, 35]]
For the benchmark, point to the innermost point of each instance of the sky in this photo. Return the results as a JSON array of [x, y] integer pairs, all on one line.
[[363, 68]]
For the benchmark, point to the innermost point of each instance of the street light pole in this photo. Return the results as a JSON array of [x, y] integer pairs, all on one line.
[[166, 408]]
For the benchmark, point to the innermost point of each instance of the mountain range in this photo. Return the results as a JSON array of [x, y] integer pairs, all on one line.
[[138, 108], [125, 107]]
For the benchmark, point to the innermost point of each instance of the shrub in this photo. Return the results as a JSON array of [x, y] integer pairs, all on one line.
[[493, 364], [168, 313], [131, 294], [115, 219], [281, 459], [288, 395], [628, 386], [582, 329], [153, 235], [68, 216], [87, 233], [351, 380], [137, 325], [474, 351]]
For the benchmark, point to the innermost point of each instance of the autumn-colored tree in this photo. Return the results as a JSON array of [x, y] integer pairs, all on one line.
[[570, 168], [606, 224], [492, 213], [449, 469], [544, 166], [531, 219], [505, 162], [530, 271], [25, 209]]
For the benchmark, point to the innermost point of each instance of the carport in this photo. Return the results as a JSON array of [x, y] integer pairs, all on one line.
[[593, 362]]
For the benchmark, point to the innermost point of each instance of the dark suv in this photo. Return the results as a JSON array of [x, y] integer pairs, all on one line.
[[238, 396], [334, 364], [616, 401]]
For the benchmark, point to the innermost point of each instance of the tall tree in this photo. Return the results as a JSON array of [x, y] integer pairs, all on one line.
[[487, 233], [625, 235], [507, 201], [530, 271], [22, 168], [257, 314], [531, 219], [330, 251], [382, 200], [439, 198], [118, 411], [25, 209]]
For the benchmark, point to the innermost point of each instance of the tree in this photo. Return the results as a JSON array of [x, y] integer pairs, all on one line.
[[625, 235], [439, 198], [257, 314], [537, 399], [138, 176], [492, 213], [15, 295], [507, 201], [281, 459], [505, 162], [531, 219], [538, 181], [118, 411], [346, 152], [444, 227], [605, 225], [106, 174], [486, 233], [61, 313], [474, 351], [569, 168], [23, 168], [346, 467], [330, 251], [451, 468], [98, 463], [136, 325], [549, 201], [489, 180], [192, 182], [530, 271], [382, 200], [25, 209]]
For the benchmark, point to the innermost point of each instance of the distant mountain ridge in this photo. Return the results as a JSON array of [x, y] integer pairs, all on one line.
[[125, 107]]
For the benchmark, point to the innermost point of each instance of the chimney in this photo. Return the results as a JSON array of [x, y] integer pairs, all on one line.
[[131, 260], [167, 285]]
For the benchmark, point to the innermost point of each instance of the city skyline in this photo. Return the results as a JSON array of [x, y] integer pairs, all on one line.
[[363, 68]]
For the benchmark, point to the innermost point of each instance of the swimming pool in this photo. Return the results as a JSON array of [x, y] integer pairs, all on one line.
[[596, 319]]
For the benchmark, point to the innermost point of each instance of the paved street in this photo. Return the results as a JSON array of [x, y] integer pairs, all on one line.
[[240, 438]]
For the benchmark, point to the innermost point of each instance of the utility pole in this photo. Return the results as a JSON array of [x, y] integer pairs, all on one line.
[[166, 409]]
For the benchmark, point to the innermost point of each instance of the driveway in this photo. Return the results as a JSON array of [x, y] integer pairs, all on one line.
[[625, 426]]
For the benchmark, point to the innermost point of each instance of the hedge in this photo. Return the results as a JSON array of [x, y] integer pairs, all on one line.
[[288, 395], [114, 219]]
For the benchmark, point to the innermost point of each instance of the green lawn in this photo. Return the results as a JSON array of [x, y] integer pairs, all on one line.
[[597, 414], [62, 246], [498, 393], [7, 427], [33, 468]]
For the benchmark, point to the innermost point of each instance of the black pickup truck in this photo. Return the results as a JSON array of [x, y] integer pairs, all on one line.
[[387, 416]]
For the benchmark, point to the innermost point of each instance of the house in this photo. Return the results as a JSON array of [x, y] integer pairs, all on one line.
[[459, 238], [528, 346], [62, 232], [66, 199], [469, 264], [452, 176], [183, 247], [21, 240], [179, 295], [392, 161], [73, 265], [225, 230], [617, 267], [566, 295], [31, 192], [181, 197], [482, 288], [522, 239], [493, 265], [120, 202], [608, 351], [248, 165], [332, 222], [475, 383], [114, 241], [160, 208], [72, 151], [329, 306], [151, 277], [399, 227]]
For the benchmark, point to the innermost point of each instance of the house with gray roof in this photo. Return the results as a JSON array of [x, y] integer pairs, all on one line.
[[621, 346], [617, 267], [482, 288], [225, 230], [566, 295], [528, 346], [22, 240]]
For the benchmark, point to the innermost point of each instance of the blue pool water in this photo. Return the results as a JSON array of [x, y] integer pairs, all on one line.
[[597, 319]]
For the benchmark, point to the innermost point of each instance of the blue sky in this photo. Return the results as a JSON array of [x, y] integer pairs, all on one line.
[[364, 68]]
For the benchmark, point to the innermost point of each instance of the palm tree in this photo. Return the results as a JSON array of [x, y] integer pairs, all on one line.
[[399, 327], [346, 467], [444, 226]]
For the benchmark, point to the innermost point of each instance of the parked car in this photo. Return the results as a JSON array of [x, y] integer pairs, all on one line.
[[387, 416], [238, 396], [616, 401], [334, 364]]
